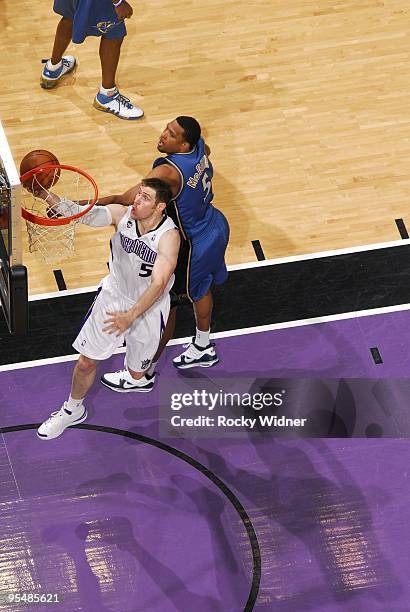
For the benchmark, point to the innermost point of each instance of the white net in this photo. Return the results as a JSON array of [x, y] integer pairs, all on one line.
[[54, 243]]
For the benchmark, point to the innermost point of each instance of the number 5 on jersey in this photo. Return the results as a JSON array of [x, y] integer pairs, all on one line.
[[206, 184], [146, 269]]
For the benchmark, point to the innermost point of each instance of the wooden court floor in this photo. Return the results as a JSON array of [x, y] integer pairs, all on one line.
[[305, 106]]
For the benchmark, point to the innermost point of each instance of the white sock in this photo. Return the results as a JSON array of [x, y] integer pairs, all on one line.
[[53, 67], [108, 92], [151, 369], [139, 382], [74, 405], [202, 338]]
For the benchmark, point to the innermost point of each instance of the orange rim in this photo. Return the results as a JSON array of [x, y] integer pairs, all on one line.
[[29, 216]]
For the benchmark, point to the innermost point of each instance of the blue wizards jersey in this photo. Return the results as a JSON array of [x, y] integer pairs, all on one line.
[[193, 207]]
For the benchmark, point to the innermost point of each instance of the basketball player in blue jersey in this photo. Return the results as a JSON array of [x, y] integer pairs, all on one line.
[[132, 302], [83, 18], [188, 171]]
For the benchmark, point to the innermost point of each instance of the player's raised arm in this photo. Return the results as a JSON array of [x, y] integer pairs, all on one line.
[[165, 173], [125, 199], [96, 217]]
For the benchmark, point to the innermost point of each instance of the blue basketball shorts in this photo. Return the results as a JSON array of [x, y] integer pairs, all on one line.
[[201, 261], [91, 18]]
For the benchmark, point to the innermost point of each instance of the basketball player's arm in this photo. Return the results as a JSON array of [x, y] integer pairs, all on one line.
[[165, 263], [168, 174], [165, 172], [96, 217], [125, 199]]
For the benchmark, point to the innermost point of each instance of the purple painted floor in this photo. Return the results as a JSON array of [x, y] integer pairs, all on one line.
[[115, 524]]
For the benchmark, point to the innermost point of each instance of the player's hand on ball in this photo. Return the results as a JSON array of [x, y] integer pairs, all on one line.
[[124, 10], [118, 322]]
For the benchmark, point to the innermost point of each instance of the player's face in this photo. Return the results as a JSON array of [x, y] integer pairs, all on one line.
[[172, 139], [144, 205]]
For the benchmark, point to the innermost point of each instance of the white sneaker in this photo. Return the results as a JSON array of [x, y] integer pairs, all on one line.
[[196, 356], [59, 421], [50, 78], [122, 382], [118, 105]]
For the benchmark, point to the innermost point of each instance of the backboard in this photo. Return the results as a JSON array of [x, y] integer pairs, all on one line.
[[13, 275]]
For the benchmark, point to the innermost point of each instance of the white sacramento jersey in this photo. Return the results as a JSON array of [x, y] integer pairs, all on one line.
[[133, 256]]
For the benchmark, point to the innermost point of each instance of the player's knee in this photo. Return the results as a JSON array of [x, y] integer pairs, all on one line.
[[86, 365], [68, 23]]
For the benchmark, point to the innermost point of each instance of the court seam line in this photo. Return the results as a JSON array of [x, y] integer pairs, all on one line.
[[11, 467], [358, 314], [252, 264]]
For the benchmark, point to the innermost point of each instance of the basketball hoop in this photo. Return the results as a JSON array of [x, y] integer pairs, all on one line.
[[50, 234]]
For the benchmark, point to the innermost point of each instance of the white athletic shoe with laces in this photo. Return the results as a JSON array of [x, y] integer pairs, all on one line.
[[196, 356], [122, 382], [59, 421], [50, 78], [118, 105]]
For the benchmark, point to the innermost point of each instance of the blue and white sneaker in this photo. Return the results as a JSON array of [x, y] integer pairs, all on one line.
[[59, 421], [50, 78], [118, 105], [196, 356], [123, 382]]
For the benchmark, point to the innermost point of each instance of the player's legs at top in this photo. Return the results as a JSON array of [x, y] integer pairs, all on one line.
[[80, 20], [59, 65], [110, 50], [62, 39], [109, 99]]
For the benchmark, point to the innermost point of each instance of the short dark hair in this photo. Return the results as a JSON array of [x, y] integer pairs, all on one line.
[[162, 191], [192, 129]]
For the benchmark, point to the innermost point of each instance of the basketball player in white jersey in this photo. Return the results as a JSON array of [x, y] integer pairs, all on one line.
[[132, 302]]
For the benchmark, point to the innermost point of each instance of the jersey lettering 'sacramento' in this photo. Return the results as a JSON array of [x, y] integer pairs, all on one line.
[[139, 248], [133, 256]]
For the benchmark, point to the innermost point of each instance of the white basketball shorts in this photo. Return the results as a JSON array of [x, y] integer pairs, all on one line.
[[142, 338]]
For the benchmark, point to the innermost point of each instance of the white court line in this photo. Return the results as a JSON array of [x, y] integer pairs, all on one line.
[[230, 333], [53, 294], [252, 264], [320, 254]]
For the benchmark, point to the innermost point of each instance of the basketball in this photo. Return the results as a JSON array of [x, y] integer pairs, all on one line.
[[45, 178]]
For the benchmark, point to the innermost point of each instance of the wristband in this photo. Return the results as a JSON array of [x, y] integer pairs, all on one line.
[[115, 4]]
